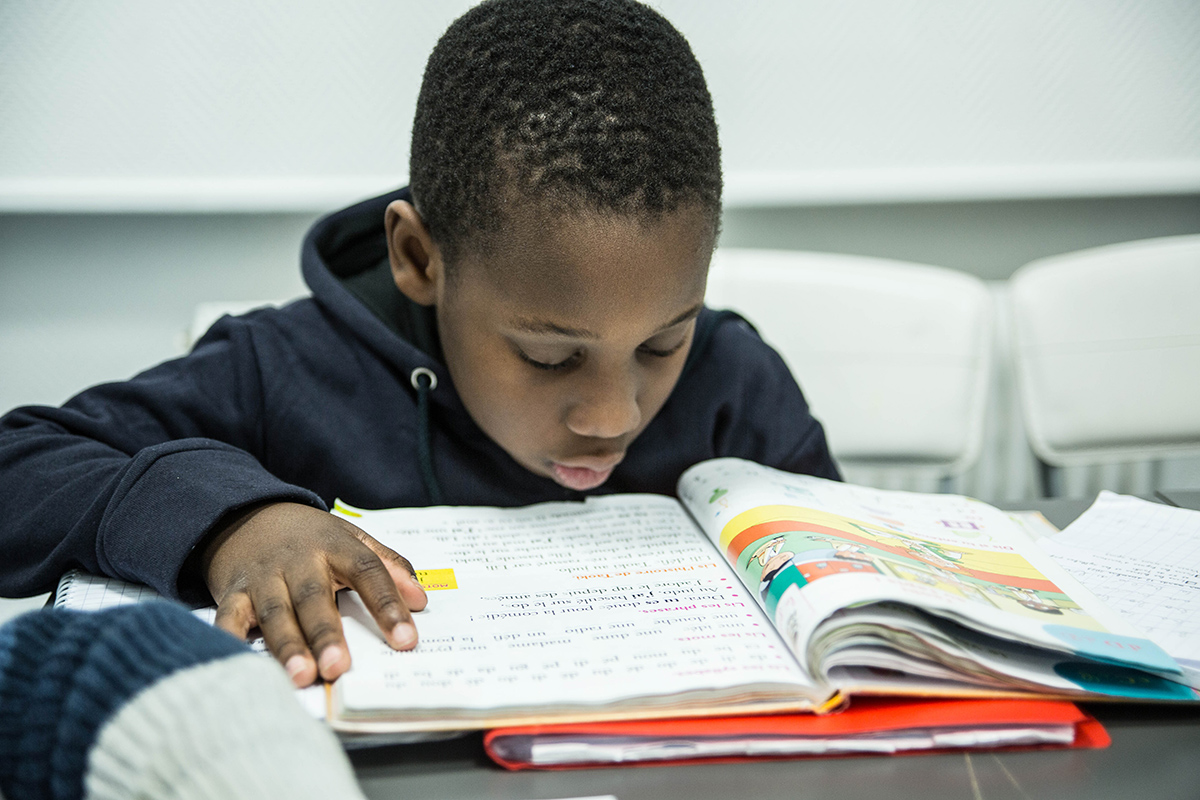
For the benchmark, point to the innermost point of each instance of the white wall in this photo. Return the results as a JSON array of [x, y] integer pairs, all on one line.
[[280, 105], [86, 298]]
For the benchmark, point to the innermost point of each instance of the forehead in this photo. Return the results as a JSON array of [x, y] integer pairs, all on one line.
[[583, 267]]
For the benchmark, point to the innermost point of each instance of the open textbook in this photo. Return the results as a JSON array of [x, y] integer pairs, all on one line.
[[757, 591]]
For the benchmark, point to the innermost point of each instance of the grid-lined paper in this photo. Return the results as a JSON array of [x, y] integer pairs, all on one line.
[[1143, 560], [91, 593], [85, 592]]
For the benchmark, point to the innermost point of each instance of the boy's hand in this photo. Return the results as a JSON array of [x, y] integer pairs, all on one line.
[[278, 565]]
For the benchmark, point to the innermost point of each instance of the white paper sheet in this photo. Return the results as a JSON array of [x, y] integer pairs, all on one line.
[[1143, 560]]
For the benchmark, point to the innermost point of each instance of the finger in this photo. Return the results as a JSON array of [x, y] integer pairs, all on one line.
[[235, 615], [312, 596], [362, 570], [281, 631], [399, 568]]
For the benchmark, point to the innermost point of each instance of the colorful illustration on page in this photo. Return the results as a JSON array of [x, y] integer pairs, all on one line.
[[777, 547]]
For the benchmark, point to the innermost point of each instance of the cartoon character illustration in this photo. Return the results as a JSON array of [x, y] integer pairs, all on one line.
[[838, 558], [840, 548], [820, 545], [932, 553], [1042, 607], [823, 568], [771, 555], [1032, 600], [772, 558]]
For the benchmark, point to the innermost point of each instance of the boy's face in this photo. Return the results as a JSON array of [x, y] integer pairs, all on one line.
[[566, 339]]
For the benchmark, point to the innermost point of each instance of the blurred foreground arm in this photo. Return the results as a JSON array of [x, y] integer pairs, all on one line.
[[147, 701]]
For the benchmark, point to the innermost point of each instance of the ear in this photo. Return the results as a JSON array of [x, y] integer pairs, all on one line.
[[416, 261]]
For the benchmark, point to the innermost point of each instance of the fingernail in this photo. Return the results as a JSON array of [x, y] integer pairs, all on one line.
[[404, 634], [330, 656], [418, 583], [295, 665]]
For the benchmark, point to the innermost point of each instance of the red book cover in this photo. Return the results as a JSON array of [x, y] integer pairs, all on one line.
[[868, 718]]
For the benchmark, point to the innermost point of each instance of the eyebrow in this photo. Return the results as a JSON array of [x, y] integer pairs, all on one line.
[[544, 327]]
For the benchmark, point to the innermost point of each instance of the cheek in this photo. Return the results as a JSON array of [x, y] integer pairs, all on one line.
[[507, 405], [512, 412], [655, 391]]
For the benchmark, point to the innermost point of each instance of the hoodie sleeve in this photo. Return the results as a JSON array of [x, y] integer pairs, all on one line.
[[126, 478], [765, 417]]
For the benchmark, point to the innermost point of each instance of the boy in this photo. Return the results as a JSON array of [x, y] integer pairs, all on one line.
[[525, 325]]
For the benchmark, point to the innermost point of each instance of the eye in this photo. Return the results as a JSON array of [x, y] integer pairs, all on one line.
[[566, 363], [660, 352]]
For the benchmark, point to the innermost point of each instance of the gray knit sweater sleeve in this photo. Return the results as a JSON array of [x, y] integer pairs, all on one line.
[[147, 701]]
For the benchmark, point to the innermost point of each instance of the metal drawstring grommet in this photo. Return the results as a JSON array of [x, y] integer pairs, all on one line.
[[418, 372]]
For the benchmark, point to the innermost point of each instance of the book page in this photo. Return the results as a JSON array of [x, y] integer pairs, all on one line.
[[812, 547], [1033, 524], [1143, 559], [559, 604]]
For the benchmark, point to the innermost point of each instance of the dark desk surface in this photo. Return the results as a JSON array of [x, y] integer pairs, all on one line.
[[1155, 754]]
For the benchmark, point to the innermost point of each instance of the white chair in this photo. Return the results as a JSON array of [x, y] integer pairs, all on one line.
[[893, 357], [1107, 353], [205, 314]]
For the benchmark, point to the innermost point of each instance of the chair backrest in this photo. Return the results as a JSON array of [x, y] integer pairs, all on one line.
[[1107, 351], [893, 357], [205, 314]]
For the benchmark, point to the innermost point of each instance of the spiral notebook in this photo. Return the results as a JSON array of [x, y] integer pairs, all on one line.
[[83, 591]]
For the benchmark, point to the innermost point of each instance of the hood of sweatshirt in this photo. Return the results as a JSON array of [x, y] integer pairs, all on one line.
[[345, 262]]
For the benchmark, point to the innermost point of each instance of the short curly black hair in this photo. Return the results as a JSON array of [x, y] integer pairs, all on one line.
[[587, 105]]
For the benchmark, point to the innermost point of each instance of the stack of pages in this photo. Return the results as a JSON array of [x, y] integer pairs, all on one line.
[[871, 725]]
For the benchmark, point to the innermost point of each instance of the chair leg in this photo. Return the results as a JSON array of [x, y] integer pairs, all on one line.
[[1046, 476], [1156, 474]]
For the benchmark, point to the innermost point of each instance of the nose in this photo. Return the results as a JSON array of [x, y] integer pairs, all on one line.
[[607, 407]]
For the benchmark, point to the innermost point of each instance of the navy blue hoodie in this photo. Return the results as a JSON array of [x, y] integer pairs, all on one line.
[[315, 401]]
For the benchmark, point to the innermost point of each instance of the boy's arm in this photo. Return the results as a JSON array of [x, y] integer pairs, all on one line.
[[126, 478], [139, 479]]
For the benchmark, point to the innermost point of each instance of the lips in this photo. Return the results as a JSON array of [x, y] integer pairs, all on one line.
[[582, 474]]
